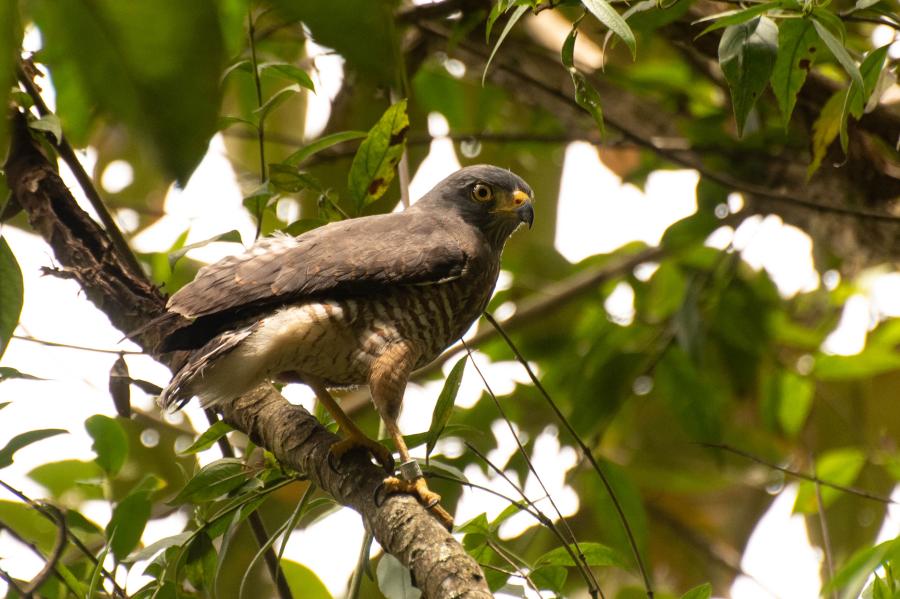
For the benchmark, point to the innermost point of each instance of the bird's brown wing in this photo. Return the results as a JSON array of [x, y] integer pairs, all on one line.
[[357, 256]]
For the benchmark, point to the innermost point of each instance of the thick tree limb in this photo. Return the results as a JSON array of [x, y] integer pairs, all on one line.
[[438, 564]]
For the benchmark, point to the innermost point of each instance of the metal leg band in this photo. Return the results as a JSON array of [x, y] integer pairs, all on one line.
[[410, 470]]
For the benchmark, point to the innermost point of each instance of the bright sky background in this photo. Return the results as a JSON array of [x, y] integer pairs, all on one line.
[[596, 214]]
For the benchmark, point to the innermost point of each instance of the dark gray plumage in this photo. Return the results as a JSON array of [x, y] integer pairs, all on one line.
[[362, 301]]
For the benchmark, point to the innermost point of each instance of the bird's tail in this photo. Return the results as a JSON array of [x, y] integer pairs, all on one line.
[[196, 376]]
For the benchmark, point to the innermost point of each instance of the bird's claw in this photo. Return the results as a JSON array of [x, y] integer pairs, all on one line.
[[418, 487], [381, 453]]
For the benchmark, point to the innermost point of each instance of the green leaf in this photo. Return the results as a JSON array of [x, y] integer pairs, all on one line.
[[373, 165], [127, 524], [362, 31], [607, 15], [704, 591], [110, 442], [596, 554], [274, 101], [444, 407], [736, 17], [852, 575], [825, 129], [7, 372], [790, 397], [28, 524], [870, 69], [513, 19], [586, 96], [95, 573], [64, 476], [24, 440], [11, 293], [747, 56], [233, 236], [498, 9], [151, 550], [668, 287], [695, 401], [837, 466], [288, 71], [224, 122], [152, 66], [837, 48], [797, 42], [550, 577], [870, 362], [200, 564], [209, 437], [49, 123], [288, 179], [303, 582], [212, 481], [243, 65], [320, 144], [298, 227]]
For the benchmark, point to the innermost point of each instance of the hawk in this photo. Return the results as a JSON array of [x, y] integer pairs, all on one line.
[[363, 301]]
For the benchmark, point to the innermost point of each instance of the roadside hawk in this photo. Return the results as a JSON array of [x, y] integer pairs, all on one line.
[[361, 301]]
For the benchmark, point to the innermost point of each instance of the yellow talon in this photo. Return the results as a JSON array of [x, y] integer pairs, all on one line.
[[359, 441], [427, 497]]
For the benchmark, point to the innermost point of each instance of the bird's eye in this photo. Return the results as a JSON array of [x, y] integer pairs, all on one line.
[[482, 192]]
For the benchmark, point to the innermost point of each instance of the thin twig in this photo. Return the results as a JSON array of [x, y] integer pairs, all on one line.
[[362, 563], [257, 526], [42, 510], [541, 517], [11, 582], [594, 587], [796, 474], [51, 560], [531, 511], [78, 347], [504, 555], [823, 525], [67, 153], [648, 586]]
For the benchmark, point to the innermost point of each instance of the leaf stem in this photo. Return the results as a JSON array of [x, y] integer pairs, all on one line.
[[648, 585]]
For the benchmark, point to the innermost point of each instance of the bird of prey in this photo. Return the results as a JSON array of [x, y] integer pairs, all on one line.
[[360, 301]]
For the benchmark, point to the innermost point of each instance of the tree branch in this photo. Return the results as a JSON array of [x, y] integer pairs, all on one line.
[[439, 564]]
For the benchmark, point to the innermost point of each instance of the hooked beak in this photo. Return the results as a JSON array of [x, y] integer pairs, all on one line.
[[524, 208]]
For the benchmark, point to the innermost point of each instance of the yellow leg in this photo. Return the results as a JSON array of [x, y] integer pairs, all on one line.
[[354, 437], [387, 381]]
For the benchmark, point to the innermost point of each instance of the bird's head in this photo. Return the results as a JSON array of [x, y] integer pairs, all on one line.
[[493, 199]]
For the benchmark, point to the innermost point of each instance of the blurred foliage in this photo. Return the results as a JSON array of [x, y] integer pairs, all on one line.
[[699, 409]]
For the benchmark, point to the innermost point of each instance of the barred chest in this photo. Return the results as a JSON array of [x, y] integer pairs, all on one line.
[[338, 340]]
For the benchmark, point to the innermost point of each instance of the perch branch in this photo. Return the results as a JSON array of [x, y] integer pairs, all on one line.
[[438, 563]]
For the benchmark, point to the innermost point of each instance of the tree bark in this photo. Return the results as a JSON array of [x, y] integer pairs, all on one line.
[[439, 565]]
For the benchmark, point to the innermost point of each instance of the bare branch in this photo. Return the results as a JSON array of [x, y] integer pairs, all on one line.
[[68, 155], [796, 474]]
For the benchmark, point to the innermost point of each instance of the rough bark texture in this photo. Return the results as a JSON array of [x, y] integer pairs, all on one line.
[[438, 564]]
